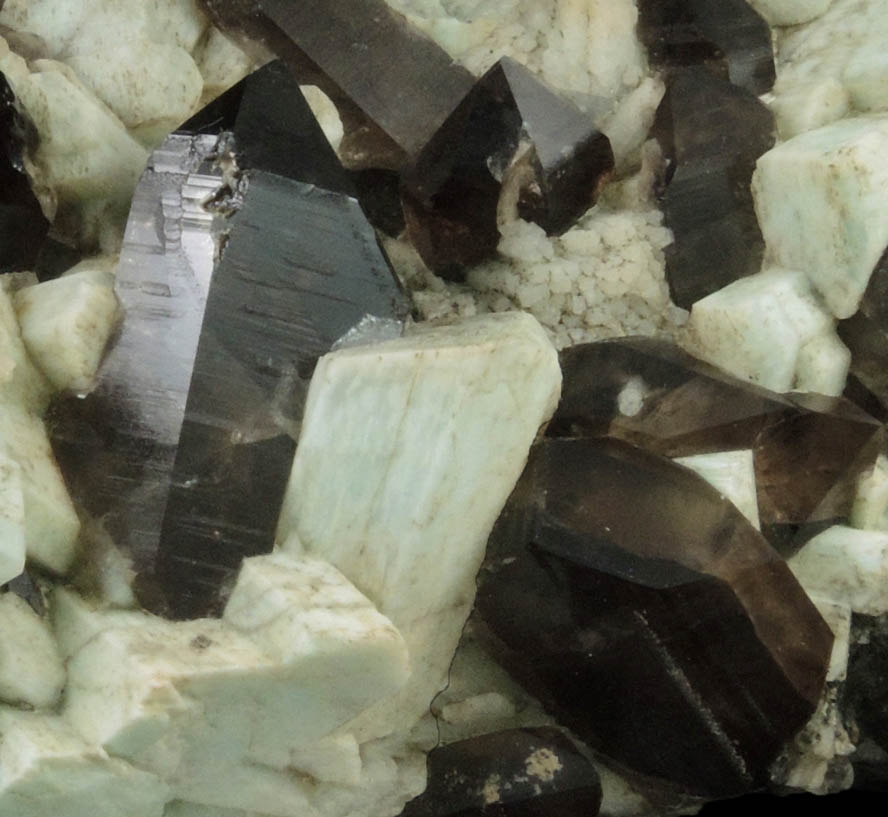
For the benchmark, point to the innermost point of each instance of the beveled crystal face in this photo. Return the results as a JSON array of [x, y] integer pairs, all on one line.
[[808, 450], [645, 611], [265, 259]]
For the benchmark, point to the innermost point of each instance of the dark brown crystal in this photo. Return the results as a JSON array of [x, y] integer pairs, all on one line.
[[726, 34], [23, 226], [514, 773], [808, 450], [510, 130], [246, 256], [711, 133], [392, 84], [649, 616]]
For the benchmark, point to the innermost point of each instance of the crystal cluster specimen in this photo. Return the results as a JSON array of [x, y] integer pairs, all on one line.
[[511, 774], [808, 450], [23, 226], [645, 611], [245, 257], [711, 132], [512, 134], [728, 34]]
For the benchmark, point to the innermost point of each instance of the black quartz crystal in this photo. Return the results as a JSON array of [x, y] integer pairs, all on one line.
[[727, 35], [511, 136], [246, 256], [23, 226], [647, 615], [514, 773], [711, 133]]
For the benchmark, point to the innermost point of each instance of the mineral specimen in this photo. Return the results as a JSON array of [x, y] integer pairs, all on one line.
[[808, 450], [22, 223], [711, 133], [509, 774], [395, 95], [646, 612], [512, 134], [246, 256], [727, 33]]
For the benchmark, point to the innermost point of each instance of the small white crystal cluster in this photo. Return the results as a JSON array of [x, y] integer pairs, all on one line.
[[103, 82]]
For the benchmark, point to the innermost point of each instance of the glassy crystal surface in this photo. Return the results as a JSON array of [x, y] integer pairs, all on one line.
[[650, 617], [808, 450], [515, 773], [711, 133], [866, 333], [512, 131], [246, 255], [23, 226], [392, 85], [728, 34]]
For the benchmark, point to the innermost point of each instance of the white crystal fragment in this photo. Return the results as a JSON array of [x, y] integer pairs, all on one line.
[[51, 523], [732, 473], [12, 519], [848, 566], [221, 63], [66, 323], [404, 507], [789, 12], [838, 616], [326, 114], [822, 365], [31, 669], [870, 509], [866, 77], [821, 206], [809, 105], [46, 769], [756, 328]]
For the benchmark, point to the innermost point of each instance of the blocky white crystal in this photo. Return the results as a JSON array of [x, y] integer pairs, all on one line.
[[733, 474]]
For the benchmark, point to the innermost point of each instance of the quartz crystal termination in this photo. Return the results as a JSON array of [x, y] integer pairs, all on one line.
[[711, 133], [23, 226], [246, 256], [808, 450], [514, 141], [729, 35], [650, 617], [393, 86], [513, 773]]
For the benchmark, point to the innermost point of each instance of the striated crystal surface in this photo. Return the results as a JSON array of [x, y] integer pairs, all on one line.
[[23, 226], [650, 617], [246, 256], [728, 34], [808, 450], [510, 132], [393, 86], [514, 773], [711, 133]]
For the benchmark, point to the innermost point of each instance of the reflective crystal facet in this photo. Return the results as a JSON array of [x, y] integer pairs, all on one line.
[[23, 226], [511, 131], [808, 449], [728, 34], [711, 133], [246, 256], [515, 773], [650, 617], [393, 86]]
